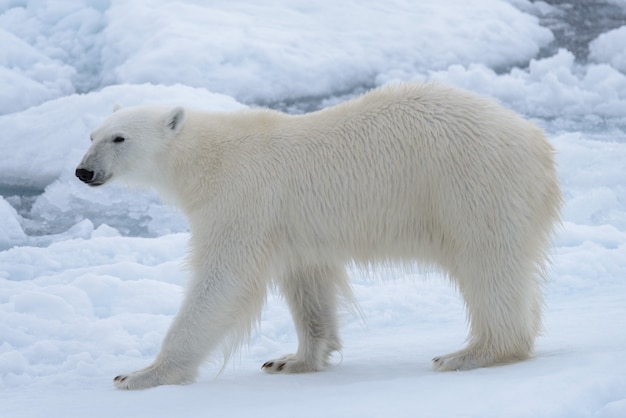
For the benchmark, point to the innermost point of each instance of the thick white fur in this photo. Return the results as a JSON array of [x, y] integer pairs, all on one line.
[[406, 173]]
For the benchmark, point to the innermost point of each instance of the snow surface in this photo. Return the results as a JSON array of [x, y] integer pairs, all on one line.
[[90, 278], [609, 48]]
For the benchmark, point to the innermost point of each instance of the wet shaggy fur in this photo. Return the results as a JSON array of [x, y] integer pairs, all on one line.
[[406, 173]]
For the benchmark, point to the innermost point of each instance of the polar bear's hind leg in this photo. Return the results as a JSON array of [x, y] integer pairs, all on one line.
[[313, 294]]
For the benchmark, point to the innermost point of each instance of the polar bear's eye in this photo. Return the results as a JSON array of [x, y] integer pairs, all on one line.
[[119, 139]]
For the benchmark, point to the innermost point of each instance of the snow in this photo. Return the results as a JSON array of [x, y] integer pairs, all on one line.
[[552, 87], [91, 278], [11, 231], [256, 52], [608, 48], [268, 52]]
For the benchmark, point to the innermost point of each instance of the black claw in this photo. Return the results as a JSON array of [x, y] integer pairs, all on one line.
[[268, 364], [281, 366]]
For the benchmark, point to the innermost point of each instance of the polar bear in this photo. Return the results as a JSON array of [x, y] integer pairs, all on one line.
[[405, 173]]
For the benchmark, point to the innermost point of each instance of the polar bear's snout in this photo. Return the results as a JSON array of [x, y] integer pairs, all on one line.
[[84, 175], [95, 168], [91, 177]]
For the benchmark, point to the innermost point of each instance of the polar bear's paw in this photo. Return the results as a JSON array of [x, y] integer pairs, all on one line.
[[290, 364], [460, 360], [475, 357], [150, 377]]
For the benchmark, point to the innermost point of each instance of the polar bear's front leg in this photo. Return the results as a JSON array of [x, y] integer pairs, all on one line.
[[312, 294], [214, 307], [185, 346]]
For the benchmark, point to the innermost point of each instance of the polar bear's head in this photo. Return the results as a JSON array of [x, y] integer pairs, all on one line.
[[127, 143]]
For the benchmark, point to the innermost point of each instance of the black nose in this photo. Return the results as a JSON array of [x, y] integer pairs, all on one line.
[[84, 175]]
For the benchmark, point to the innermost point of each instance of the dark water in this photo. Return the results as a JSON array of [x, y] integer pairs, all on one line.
[[576, 23]]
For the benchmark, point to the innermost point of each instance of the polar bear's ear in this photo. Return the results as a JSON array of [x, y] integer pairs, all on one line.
[[175, 118], [116, 107]]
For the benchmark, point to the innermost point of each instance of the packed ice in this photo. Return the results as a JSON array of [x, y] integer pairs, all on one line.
[[91, 278]]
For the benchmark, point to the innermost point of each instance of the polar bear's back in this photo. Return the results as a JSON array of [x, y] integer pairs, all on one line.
[[406, 171], [413, 170]]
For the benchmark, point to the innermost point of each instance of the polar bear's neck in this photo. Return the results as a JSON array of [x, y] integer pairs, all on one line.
[[213, 150]]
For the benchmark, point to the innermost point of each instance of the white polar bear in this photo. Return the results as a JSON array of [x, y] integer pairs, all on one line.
[[405, 173]]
